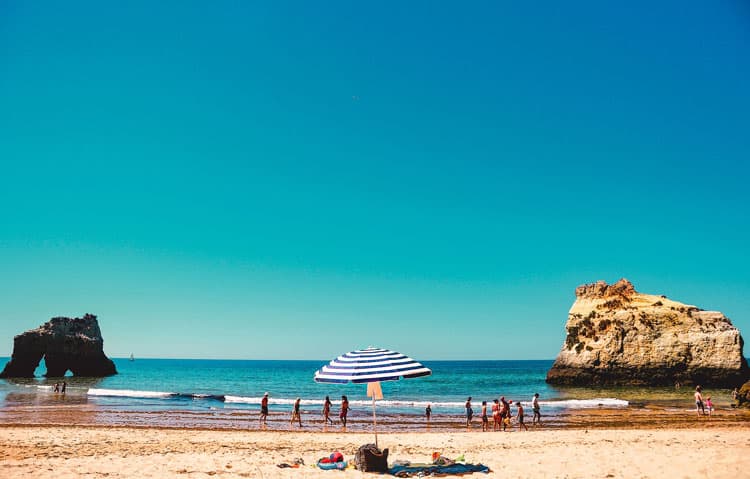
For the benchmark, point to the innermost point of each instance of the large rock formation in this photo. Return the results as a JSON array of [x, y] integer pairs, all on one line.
[[73, 344], [617, 336]]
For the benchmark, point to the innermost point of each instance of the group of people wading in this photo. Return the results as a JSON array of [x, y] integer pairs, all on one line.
[[502, 414], [296, 413]]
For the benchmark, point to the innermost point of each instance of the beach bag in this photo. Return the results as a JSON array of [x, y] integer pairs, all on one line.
[[371, 459]]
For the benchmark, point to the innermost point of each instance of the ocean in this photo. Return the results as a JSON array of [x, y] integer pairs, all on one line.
[[227, 393]]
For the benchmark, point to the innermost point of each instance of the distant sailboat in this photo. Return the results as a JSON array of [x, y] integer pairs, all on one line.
[[131, 357]]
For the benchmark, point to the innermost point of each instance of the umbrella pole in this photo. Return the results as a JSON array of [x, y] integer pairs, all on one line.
[[374, 421]]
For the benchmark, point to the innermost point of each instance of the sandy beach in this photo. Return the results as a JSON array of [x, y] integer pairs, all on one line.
[[698, 450]]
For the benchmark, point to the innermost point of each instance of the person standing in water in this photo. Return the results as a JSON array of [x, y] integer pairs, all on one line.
[[537, 418], [700, 409], [64, 387], [496, 415], [296, 413], [263, 410], [469, 412], [344, 410], [519, 417], [428, 412], [327, 411], [485, 420], [504, 412]]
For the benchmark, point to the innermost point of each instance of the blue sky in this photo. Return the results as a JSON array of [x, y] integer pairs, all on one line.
[[297, 179]]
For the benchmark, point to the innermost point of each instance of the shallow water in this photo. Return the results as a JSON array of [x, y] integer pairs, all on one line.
[[226, 394]]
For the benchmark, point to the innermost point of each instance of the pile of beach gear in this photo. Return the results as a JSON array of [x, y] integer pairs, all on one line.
[[369, 458]]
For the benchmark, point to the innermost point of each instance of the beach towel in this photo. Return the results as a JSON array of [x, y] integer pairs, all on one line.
[[435, 470]]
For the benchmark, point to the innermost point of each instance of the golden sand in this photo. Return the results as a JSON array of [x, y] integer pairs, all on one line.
[[698, 449]]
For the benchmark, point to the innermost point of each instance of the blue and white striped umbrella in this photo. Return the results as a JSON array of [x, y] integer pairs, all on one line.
[[370, 365]]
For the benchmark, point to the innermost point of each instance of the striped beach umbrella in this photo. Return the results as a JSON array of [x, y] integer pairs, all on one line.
[[371, 365]]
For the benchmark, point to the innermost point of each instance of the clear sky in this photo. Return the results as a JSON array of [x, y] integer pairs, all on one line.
[[295, 180]]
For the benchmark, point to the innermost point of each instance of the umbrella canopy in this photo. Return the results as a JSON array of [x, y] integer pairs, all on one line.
[[370, 365]]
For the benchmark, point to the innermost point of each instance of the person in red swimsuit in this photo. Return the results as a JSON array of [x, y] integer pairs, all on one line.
[[263, 409]]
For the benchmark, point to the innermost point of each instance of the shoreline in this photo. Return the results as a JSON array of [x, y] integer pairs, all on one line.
[[121, 452], [642, 416]]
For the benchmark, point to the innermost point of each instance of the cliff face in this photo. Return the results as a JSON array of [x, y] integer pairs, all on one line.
[[73, 344], [617, 336]]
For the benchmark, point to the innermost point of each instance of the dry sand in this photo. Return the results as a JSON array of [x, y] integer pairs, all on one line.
[[699, 450]]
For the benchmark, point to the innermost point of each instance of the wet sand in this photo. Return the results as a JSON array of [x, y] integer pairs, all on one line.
[[637, 415]]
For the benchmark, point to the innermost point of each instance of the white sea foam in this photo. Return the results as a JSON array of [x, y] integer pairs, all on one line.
[[409, 404], [277, 401], [242, 399], [567, 403], [129, 393], [582, 403], [386, 403]]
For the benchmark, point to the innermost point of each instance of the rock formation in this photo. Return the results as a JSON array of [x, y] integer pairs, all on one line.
[[73, 344], [617, 336], [743, 398]]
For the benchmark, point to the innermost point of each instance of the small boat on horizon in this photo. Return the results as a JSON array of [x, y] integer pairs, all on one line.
[[131, 357]]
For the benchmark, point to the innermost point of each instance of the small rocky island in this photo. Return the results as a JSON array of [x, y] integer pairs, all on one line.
[[73, 344], [618, 336]]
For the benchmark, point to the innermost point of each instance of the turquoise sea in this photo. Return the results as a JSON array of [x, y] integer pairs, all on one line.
[[226, 393]]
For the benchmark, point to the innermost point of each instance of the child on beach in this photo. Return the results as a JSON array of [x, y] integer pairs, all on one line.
[[505, 412], [519, 416], [485, 421], [428, 412], [709, 405]]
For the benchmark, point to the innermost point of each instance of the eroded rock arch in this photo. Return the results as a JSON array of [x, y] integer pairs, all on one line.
[[73, 344]]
